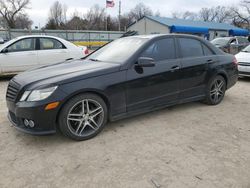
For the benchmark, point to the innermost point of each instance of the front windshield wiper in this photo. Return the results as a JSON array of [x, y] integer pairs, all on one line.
[[245, 51], [94, 59]]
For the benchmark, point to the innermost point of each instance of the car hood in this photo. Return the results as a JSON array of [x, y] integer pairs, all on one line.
[[243, 57], [219, 45], [65, 72]]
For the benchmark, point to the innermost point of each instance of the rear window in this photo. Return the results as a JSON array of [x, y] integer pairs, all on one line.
[[163, 49], [190, 47]]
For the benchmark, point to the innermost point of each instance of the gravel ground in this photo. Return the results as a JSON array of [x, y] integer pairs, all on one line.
[[190, 145]]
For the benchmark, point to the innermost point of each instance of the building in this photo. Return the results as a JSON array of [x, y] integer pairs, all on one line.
[[162, 25]]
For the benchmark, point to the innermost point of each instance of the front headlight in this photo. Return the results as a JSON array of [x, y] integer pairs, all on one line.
[[37, 95]]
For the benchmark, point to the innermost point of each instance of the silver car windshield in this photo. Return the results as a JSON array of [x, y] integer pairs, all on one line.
[[119, 50]]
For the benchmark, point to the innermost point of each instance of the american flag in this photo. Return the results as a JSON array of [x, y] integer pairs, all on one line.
[[110, 3]]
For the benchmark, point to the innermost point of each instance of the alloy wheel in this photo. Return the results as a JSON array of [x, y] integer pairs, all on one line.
[[217, 90], [85, 117]]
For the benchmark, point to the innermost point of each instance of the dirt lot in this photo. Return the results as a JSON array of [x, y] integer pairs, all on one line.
[[190, 145]]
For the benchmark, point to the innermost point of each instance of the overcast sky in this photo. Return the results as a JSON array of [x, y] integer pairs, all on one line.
[[39, 8]]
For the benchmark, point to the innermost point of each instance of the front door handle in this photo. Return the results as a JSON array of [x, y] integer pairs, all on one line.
[[175, 68]]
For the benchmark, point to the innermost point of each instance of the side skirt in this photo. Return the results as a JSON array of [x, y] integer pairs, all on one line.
[[154, 108]]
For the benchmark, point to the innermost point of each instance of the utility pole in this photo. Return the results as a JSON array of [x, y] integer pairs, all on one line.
[[119, 16]]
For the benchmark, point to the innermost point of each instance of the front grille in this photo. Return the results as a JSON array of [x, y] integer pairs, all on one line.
[[12, 91], [244, 73], [244, 64]]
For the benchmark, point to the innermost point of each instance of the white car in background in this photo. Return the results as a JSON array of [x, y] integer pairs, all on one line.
[[33, 51], [1, 40], [243, 59]]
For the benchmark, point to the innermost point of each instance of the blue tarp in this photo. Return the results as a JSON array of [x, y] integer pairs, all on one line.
[[238, 32], [187, 29]]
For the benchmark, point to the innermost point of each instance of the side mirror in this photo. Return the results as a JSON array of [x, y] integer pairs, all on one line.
[[145, 62], [5, 50]]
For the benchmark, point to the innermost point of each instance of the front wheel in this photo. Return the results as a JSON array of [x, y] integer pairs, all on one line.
[[83, 117], [215, 91]]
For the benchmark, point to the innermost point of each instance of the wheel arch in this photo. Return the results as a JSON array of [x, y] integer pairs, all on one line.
[[224, 75], [90, 91]]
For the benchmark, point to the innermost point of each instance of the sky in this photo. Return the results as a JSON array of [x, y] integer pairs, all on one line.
[[38, 9]]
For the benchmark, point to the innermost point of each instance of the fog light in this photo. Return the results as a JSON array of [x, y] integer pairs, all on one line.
[[31, 124], [26, 122]]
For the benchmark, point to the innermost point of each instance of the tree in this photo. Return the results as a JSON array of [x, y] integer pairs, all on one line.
[[23, 22], [139, 11], [215, 14], [76, 23], [185, 15], [11, 9], [96, 18], [241, 17], [57, 16]]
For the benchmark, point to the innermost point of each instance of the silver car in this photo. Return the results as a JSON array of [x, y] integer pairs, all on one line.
[[231, 45]]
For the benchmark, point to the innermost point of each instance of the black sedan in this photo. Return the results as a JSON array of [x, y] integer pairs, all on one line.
[[128, 76]]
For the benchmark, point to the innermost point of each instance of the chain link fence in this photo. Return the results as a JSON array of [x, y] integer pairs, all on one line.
[[92, 39]]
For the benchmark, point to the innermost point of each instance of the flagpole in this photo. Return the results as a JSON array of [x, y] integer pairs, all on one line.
[[119, 16], [106, 24]]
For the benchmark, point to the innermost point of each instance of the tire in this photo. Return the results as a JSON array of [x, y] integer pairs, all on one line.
[[215, 91], [80, 123]]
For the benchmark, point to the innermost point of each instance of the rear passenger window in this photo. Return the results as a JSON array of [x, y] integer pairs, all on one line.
[[50, 44], [207, 51], [161, 50], [190, 47]]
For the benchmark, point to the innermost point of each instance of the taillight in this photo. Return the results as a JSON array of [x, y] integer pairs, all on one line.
[[235, 62], [86, 52]]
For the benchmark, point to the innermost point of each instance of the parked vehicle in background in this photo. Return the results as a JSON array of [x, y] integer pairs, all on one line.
[[29, 52], [231, 45], [1, 40], [243, 59], [128, 76]]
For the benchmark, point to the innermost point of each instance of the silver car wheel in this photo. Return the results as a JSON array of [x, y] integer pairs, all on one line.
[[85, 117]]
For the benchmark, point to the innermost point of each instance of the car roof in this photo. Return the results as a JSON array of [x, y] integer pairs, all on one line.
[[33, 36], [151, 36]]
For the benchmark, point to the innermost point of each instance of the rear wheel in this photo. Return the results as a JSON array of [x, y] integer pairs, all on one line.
[[83, 117], [216, 90]]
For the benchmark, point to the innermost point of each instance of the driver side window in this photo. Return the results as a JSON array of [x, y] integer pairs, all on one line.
[[160, 50], [23, 45]]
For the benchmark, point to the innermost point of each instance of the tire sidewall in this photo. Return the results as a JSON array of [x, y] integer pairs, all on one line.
[[210, 85], [63, 126]]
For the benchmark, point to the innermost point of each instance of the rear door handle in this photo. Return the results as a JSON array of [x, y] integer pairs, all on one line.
[[210, 61], [63, 52], [175, 68], [31, 53]]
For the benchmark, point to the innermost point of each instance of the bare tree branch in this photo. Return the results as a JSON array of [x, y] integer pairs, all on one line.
[[10, 9]]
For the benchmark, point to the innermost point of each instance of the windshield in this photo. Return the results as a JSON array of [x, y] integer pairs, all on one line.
[[247, 49], [118, 51], [220, 41]]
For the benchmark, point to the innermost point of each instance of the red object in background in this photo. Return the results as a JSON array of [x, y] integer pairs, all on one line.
[[110, 3], [235, 62], [86, 52]]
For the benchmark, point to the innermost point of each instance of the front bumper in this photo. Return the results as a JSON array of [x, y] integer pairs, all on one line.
[[45, 121], [244, 70]]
